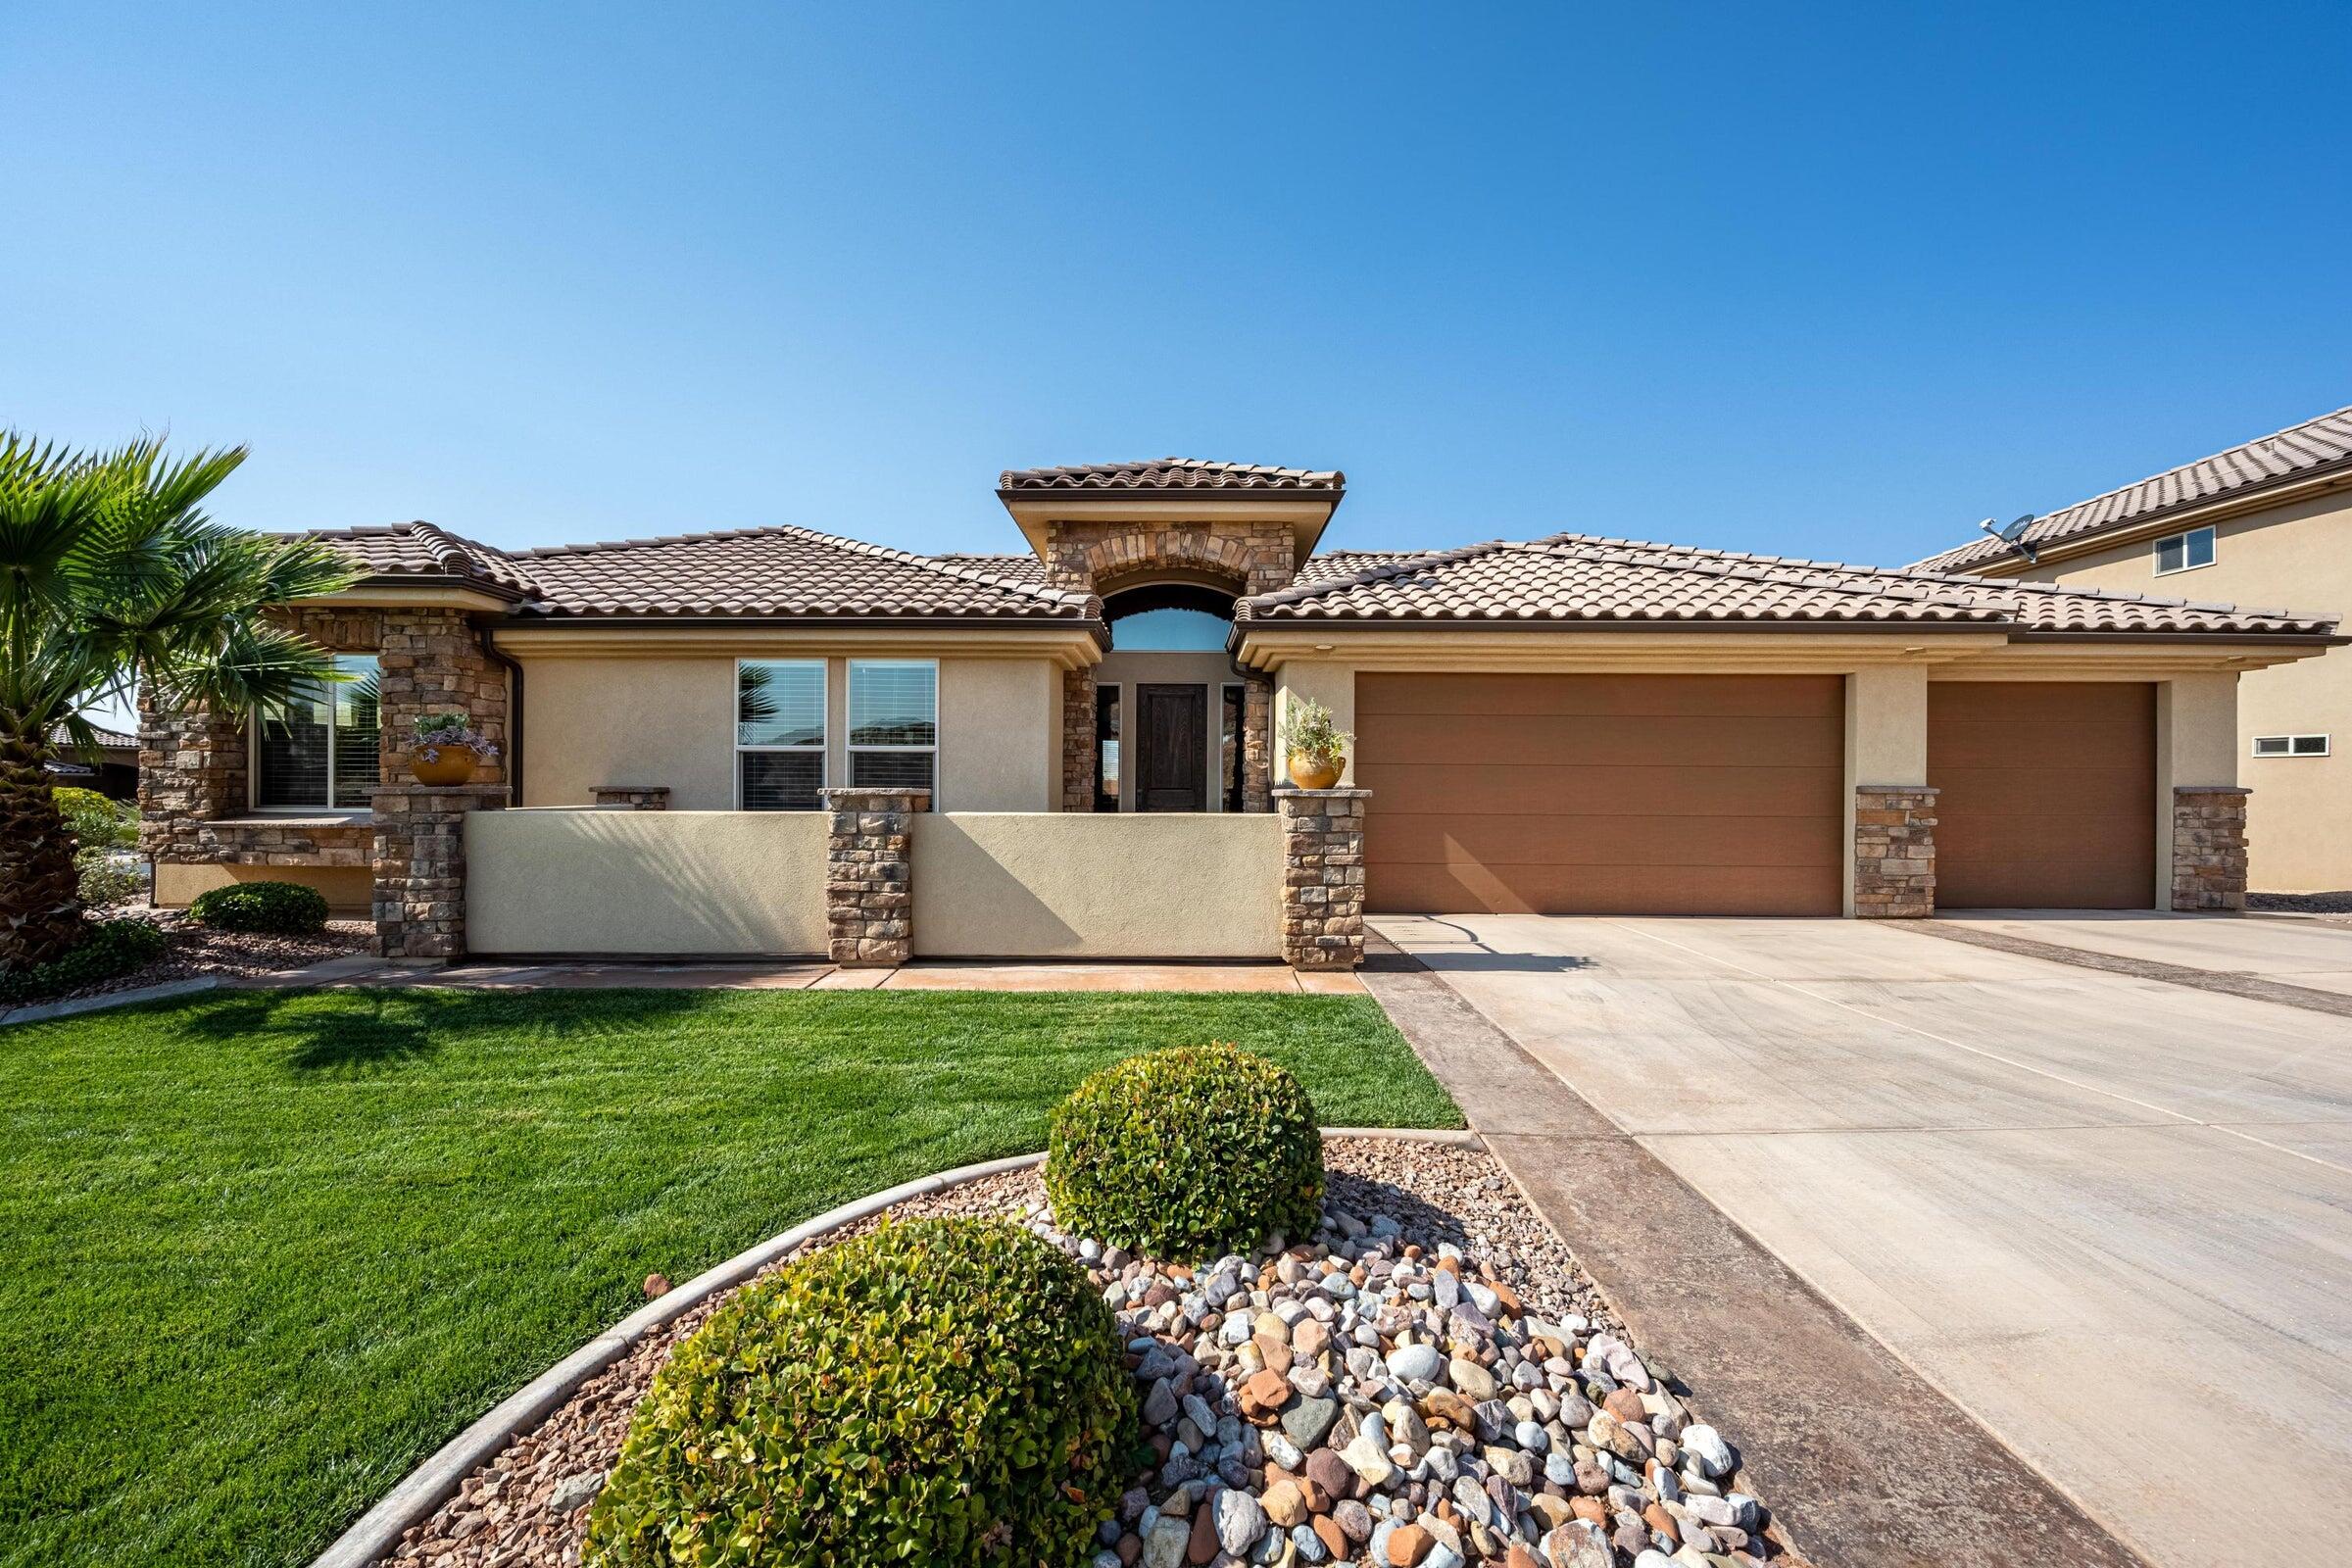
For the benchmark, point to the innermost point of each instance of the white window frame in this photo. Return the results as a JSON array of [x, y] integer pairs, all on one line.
[[2290, 749], [849, 717], [2183, 539], [824, 743], [327, 807]]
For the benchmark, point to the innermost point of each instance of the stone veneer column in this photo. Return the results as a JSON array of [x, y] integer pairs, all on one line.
[[869, 887], [1322, 877], [1081, 757], [2208, 847], [1894, 851], [431, 662], [421, 867], [192, 770]]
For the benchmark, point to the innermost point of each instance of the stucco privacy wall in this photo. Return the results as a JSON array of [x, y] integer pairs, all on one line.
[[1079, 886], [670, 720], [2299, 556], [749, 883]]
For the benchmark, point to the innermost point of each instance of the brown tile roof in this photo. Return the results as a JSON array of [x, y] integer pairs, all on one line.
[[778, 571], [1332, 565], [1579, 578], [108, 740], [421, 550], [1023, 567], [1171, 474], [2301, 451]]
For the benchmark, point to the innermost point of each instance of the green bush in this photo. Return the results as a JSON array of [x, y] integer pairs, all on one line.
[[97, 822], [284, 909], [111, 948], [1187, 1154], [942, 1391]]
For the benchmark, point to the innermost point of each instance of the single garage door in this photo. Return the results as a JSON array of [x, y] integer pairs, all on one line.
[[2047, 794], [1602, 794]]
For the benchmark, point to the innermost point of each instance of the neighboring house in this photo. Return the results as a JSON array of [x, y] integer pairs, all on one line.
[[112, 770], [1563, 725], [2268, 523]]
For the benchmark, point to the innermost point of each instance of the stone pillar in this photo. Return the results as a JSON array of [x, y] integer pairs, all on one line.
[[869, 887], [421, 867], [632, 797], [1894, 851], [193, 769], [1322, 877], [1257, 744], [1081, 758], [2208, 847]]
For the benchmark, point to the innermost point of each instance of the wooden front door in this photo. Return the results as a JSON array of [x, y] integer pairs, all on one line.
[[1171, 762], [1602, 794]]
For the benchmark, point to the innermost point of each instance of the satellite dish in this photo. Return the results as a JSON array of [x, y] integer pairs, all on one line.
[[2014, 535]]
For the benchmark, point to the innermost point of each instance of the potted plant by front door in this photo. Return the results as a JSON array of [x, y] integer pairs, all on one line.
[[447, 749], [1318, 747]]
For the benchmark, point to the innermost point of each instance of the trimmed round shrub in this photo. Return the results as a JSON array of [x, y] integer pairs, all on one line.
[[947, 1391], [111, 948], [1187, 1154], [280, 908]]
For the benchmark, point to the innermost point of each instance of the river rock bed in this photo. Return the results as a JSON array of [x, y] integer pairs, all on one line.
[[1427, 1383]]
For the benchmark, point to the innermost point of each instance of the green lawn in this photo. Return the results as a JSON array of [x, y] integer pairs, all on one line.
[[261, 1253]]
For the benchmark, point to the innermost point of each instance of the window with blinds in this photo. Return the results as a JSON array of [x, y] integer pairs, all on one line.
[[893, 723], [321, 750], [780, 734]]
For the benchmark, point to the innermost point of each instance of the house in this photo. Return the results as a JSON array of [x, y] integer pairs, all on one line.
[[2268, 522], [111, 768], [1070, 748]]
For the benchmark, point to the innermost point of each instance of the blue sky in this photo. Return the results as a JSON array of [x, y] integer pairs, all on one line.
[[1820, 280]]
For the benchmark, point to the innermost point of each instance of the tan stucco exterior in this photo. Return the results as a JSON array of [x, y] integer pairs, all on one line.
[[349, 890], [733, 883], [668, 719], [1080, 886], [2297, 556]]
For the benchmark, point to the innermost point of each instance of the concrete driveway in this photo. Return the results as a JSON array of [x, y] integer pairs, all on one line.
[[2108, 1215]]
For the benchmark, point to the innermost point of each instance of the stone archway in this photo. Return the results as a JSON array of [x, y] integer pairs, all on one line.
[[1235, 558]]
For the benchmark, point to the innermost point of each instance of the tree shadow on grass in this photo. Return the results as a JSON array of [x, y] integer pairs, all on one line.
[[364, 1031]]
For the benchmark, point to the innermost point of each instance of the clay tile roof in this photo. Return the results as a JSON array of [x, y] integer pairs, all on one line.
[[780, 571], [421, 550], [1172, 473], [1584, 579], [2301, 451], [108, 740]]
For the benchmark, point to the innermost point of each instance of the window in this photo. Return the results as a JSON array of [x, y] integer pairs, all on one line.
[[2183, 551], [321, 750], [2291, 746], [1106, 748], [893, 723], [779, 734], [1170, 630], [1231, 760]]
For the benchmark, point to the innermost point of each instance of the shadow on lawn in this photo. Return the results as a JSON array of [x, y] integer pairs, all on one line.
[[352, 1032]]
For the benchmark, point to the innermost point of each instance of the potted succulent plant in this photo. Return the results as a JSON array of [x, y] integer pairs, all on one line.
[[1318, 747], [447, 749]]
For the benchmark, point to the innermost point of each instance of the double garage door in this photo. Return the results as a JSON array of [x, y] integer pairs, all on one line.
[[1726, 794]]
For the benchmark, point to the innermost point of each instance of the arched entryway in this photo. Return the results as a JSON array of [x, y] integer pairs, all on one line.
[[1171, 713]]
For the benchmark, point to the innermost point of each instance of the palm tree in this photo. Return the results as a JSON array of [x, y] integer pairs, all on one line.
[[113, 579]]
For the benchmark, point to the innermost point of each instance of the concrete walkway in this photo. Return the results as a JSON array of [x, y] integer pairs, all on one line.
[[938, 975], [2110, 1217]]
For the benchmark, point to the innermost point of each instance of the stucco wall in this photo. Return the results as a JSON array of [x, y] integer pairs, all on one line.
[[1080, 886], [1334, 686], [671, 721], [749, 883], [2298, 557], [350, 889]]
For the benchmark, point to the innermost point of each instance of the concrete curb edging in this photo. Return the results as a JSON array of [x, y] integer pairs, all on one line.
[[39, 1011], [424, 1489]]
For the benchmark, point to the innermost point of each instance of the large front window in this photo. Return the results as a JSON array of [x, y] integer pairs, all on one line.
[[321, 750], [780, 734], [893, 723]]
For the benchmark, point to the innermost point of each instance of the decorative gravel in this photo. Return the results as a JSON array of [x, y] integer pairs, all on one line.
[[197, 949], [2333, 907], [1429, 1382]]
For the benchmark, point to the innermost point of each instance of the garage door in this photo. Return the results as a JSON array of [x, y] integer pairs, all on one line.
[[1602, 794], [2048, 794]]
